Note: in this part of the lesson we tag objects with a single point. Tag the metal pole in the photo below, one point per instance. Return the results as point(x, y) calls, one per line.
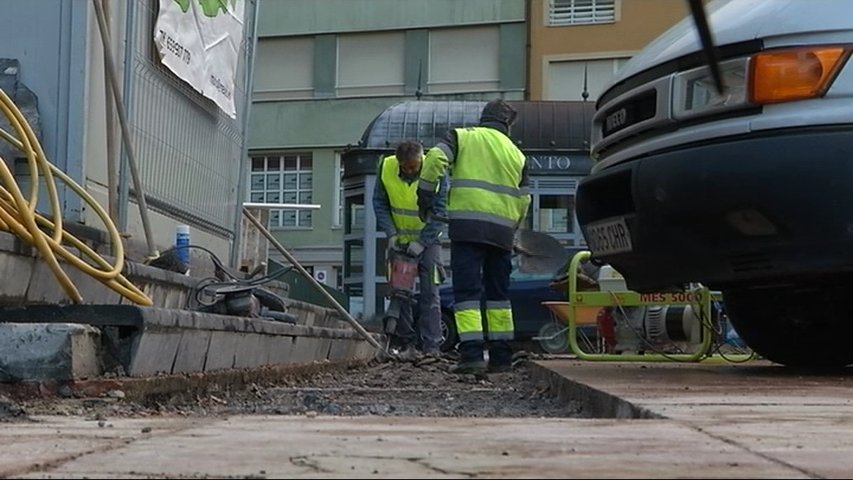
point(125, 132)
point(251, 49)
point(127, 94)
point(349, 318)
point(369, 272)
point(112, 160)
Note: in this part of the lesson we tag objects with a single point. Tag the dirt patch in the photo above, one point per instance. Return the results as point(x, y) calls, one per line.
point(422, 388)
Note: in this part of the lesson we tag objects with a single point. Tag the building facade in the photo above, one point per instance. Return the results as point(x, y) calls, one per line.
point(577, 45)
point(326, 69)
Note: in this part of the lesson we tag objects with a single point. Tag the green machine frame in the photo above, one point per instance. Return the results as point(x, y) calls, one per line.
point(700, 297)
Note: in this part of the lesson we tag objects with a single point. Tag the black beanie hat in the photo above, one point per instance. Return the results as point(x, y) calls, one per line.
point(498, 111)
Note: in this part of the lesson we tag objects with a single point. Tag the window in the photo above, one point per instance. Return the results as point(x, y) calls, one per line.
point(556, 213)
point(353, 207)
point(580, 12)
point(284, 68)
point(464, 60)
point(553, 208)
point(371, 64)
point(283, 179)
point(354, 215)
point(568, 80)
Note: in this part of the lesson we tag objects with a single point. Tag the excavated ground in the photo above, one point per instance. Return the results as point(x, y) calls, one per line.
point(422, 388)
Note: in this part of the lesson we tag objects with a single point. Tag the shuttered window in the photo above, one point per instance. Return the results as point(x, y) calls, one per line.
point(464, 60)
point(371, 64)
point(581, 12)
point(568, 80)
point(284, 68)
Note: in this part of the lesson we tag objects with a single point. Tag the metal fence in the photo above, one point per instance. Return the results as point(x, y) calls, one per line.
point(189, 152)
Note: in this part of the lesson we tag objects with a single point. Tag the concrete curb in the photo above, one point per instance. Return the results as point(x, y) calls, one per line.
point(146, 341)
point(596, 403)
point(52, 351)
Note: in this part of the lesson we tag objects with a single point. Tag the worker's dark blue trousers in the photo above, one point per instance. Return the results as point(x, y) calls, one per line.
point(428, 326)
point(481, 281)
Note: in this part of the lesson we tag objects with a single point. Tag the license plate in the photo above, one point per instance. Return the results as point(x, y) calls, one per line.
point(608, 237)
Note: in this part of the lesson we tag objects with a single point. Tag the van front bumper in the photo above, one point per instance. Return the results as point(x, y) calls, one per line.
point(751, 210)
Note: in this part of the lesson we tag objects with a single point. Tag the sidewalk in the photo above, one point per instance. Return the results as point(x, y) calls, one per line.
point(701, 421)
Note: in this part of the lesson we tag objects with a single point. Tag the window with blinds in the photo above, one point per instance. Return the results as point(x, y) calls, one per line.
point(568, 80)
point(464, 60)
point(371, 64)
point(284, 68)
point(581, 12)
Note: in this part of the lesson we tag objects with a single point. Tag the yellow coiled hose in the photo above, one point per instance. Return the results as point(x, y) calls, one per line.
point(18, 215)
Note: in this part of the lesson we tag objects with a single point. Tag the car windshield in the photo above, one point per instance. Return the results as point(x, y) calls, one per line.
point(517, 275)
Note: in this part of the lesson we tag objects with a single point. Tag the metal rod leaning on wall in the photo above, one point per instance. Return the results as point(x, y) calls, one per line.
point(125, 133)
point(112, 154)
point(278, 246)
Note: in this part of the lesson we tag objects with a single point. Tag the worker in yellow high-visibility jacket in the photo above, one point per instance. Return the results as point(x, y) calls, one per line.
point(396, 208)
point(487, 202)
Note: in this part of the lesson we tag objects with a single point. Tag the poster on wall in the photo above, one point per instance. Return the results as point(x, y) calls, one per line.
point(199, 40)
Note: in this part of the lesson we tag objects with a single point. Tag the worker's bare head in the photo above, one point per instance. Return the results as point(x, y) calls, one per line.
point(409, 156)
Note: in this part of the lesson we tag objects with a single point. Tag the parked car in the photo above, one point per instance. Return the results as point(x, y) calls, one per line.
point(527, 291)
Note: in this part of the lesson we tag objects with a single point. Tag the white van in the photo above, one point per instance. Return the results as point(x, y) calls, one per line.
point(749, 192)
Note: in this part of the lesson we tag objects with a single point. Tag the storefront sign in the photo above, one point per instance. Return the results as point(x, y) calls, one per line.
point(199, 40)
point(559, 164)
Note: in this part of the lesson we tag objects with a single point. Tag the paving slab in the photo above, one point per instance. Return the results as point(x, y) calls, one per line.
point(802, 419)
point(377, 447)
point(698, 421)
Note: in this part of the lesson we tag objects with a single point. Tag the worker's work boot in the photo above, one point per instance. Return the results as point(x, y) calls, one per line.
point(470, 358)
point(409, 353)
point(500, 356)
point(473, 367)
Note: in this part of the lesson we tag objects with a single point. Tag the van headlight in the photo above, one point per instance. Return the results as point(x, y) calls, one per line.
point(772, 76)
point(694, 92)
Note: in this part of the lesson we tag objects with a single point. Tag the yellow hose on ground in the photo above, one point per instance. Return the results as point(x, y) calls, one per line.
point(18, 215)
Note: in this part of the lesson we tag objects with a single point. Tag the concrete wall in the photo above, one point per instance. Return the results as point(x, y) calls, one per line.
point(48, 38)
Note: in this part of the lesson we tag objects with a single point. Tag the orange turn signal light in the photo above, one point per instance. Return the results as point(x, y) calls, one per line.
point(795, 74)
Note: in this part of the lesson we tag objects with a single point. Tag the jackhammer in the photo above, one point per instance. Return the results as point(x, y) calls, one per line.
point(402, 271)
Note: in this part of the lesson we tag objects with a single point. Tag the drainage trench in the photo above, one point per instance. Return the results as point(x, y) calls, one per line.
point(419, 388)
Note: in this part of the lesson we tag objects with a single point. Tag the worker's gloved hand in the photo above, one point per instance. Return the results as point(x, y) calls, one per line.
point(415, 249)
point(426, 201)
point(393, 243)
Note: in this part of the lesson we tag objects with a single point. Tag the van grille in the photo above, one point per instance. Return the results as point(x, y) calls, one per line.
point(629, 112)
